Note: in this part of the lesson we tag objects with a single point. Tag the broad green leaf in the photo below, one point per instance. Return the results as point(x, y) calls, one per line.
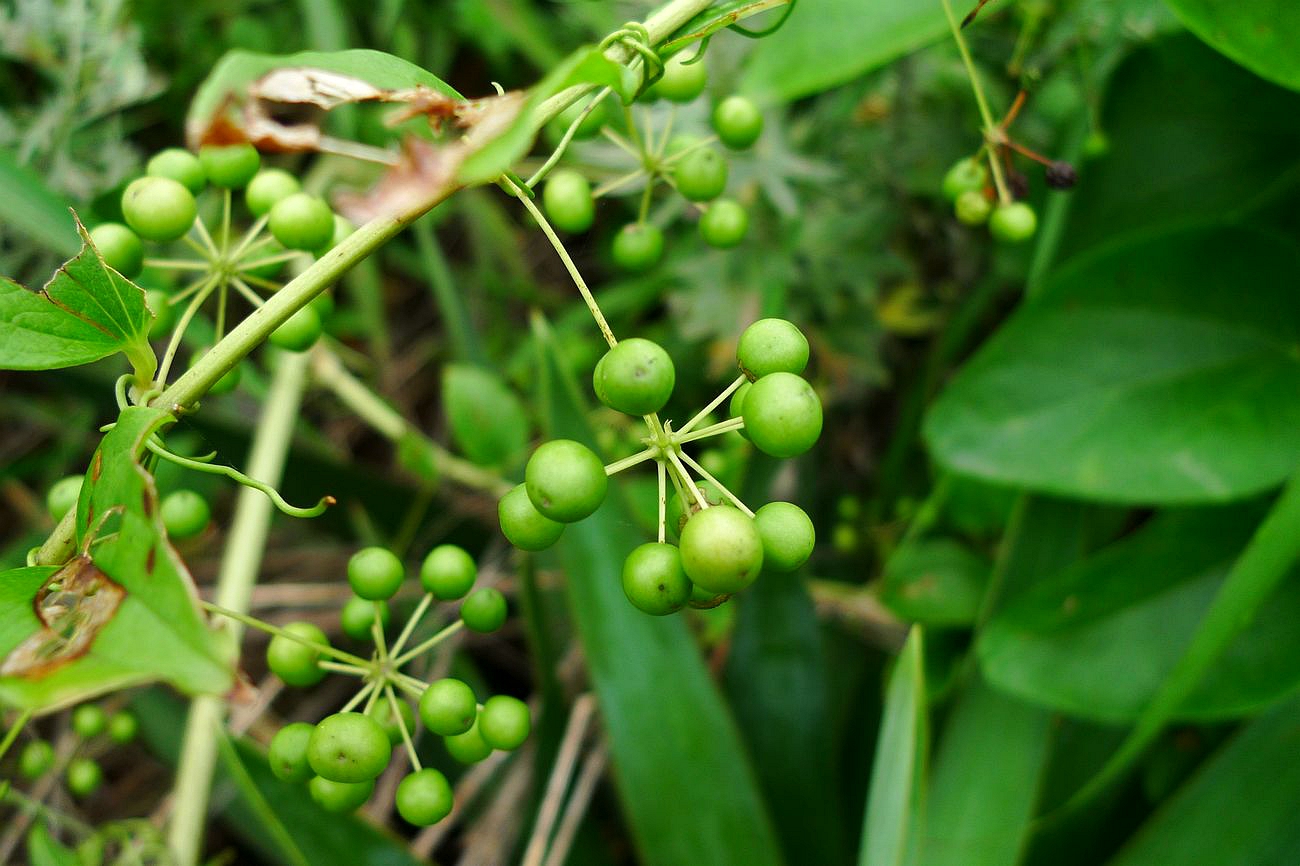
point(777, 684)
point(226, 87)
point(687, 787)
point(1097, 639)
point(126, 612)
point(987, 773)
point(488, 421)
point(1162, 371)
point(86, 311)
point(33, 209)
point(1240, 808)
point(586, 65)
point(1261, 35)
point(43, 850)
point(1196, 138)
point(828, 42)
point(320, 837)
point(891, 830)
point(936, 582)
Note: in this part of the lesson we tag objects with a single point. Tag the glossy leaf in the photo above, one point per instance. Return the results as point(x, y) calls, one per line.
point(1239, 808)
point(891, 830)
point(1195, 398)
point(936, 582)
point(1261, 35)
point(987, 772)
point(659, 706)
point(1097, 639)
point(128, 613)
point(828, 42)
point(86, 311)
point(488, 421)
point(33, 209)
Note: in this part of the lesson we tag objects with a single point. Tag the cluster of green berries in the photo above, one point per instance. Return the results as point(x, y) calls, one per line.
point(341, 757)
point(163, 207)
point(966, 185)
point(689, 164)
point(722, 546)
point(185, 513)
point(83, 776)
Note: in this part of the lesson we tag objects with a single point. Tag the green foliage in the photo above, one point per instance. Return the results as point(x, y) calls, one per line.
point(1261, 35)
point(488, 421)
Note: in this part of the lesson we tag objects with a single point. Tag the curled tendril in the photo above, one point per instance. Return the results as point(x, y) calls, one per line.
point(235, 475)
point(635, 36)
point(770, 29)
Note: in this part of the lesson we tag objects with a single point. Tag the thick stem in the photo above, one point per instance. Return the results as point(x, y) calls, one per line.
point(61, 544)
point(239, 567)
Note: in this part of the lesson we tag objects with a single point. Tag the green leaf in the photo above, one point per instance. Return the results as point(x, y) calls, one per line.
point(86, 311)
point(1196, 139)
point(1162, 371)
point(891, 828)
point(1261, 35)
point(488, 421)
point(1238, 809)
point(586, 65)
point(987, 773)
point(127, 611)
point(1097, 639)
point(43, 850)
point(936, 582)
point(828, 42)
point(33, 209)
point(686, 784)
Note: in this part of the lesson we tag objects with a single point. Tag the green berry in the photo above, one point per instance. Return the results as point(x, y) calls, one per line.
point(681, 81)
point(966, 175)
point(424, 798)
point(448, 707)
point(36, 759)
point(343, 227)
point(348, 747)
point(230, 166)
point(287, 754)
point(158, 208)
point(772, 346)
point(721, 549)
point(654, 580)
point(158, 303)
point(122, 727)
point(724, 224)
point(357, 616)
point(704, 599)
point(295, 662)
point(484, 610)
point(701, 175)
point(180, 165)
point(268, 187)
point(568, 202)
point(84, 777)
point(448, 572)
point(972, 208)
point(783, 416)
point(678, 513)
point(523, 525)
point(737, 404)
point(340, 796)
point(469, 747)
point(787, 533)
point(590, 125)
point(504, 722)
point(375, 573)
point(185, 514)
point(302, 222)
point(120, 248)
point(1013, 223)
point(738, 122)
point(299, 332)
point(383, 714)
point(1096, 145)
point(89, 720)
point(565, 480)
point(63, 496)
point(636, 376)
point(638, 247)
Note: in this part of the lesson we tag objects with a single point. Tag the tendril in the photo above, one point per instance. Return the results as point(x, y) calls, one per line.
point(239, 477)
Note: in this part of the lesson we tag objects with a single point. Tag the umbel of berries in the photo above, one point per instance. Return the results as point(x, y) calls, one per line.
point(722, 546)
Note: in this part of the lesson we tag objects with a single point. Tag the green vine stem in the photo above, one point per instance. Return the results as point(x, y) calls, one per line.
point(239, 566)
point(992, 133)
